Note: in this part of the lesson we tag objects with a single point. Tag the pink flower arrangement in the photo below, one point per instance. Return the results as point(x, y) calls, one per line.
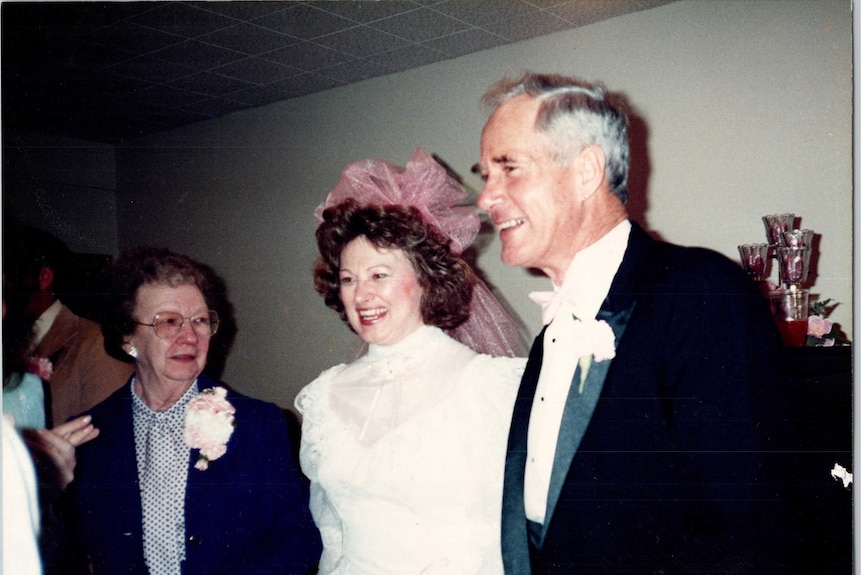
point(209, 424)
point(823, 332)
point(819, 326)
point(41, 366)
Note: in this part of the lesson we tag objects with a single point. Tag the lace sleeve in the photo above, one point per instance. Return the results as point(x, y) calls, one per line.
point(310, 402)
point(329, 525)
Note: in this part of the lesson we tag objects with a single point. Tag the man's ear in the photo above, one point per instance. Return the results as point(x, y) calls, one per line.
point(46, 279)
point(590, 170)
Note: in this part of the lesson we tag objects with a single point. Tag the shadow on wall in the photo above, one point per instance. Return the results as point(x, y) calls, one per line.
point(639, 171)
point(222, 342)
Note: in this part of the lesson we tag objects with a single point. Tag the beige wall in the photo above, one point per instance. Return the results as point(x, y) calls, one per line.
point(744, 109)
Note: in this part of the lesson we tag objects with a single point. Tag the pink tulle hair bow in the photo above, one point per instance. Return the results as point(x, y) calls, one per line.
point(424, 184)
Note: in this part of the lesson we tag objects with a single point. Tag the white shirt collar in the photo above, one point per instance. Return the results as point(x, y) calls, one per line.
point(44, 322)
point(593, 269)
point(588, 279)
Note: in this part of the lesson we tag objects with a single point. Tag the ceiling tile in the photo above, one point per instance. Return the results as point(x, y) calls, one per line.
point(362, 41)
point(408, 57)
point(101, 83)
point(244, 10)
point(162, 117)
point(210, 84)
point(215, 107)
point(249, 39)
point(150, 69)
point(420, 25)
point(549, 3)
point(182, 19)
point(88, 55)
point(109, 71)
point(355, 71)
point(583, 13)
point(307, 84)
point(307, 56)
point(132, 38)
point(364, 12)
point(65, 18)
point(258, 95)
point(257, 70)
point(653, 3)
point(303, 21)
point(197, 55)
point(530, 24)
point(482, 13)
point(168, 96)
point(466, 42)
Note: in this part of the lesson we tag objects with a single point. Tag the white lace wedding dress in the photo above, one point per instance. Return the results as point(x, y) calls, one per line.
point(405, 449)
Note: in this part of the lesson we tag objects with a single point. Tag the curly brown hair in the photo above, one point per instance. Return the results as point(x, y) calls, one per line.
point(153, 265)
point(447, 281)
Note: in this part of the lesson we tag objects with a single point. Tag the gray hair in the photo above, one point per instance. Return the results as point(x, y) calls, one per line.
point(574, 114)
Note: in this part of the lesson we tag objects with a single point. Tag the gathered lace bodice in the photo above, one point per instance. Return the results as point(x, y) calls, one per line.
point(405, 449)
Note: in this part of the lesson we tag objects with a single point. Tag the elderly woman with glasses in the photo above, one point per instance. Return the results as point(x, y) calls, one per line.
point(186, 476)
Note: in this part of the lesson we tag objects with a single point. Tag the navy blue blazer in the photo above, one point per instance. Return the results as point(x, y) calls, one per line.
point(247, 513)
point(670, 460)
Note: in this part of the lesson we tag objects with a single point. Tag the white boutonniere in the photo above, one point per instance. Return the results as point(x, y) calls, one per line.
point(209, 424)
point(595, 342)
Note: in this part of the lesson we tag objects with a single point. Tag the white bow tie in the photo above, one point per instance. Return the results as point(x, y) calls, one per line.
point(551, 301)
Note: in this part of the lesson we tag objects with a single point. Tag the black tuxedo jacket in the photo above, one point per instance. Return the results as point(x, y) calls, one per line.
point(669, 461)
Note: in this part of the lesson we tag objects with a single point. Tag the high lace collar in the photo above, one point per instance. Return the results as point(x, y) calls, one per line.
point(412, 345)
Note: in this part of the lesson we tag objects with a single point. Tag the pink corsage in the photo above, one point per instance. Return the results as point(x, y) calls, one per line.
point(209, 424)
point(40, 366)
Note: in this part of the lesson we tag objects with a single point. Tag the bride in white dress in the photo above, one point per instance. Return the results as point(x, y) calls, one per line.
point(405, 447)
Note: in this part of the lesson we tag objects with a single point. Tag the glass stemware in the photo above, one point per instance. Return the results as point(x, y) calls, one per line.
point(793, 265)
point(755, 258)
point(776, 224)
point(797, 238)
point(790, 310)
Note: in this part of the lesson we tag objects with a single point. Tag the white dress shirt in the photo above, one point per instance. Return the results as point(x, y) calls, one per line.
point(43, 323)
point(585, 286)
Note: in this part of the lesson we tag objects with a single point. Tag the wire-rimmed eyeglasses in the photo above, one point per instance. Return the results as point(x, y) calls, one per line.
point(169, 323)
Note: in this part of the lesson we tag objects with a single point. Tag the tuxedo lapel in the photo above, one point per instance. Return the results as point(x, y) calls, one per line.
point(579, 410)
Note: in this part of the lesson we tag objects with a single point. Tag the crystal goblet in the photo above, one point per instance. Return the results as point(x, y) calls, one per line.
point(776, 224)
point(797, 238)
point(793, 265)
point(754, 260)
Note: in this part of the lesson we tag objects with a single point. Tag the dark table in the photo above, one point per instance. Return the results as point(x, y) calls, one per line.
point(819, 391)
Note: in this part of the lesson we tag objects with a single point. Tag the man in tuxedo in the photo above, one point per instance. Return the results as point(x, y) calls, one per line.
point(642, 439)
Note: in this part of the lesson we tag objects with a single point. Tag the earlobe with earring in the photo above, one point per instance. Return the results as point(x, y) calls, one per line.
point(133, 351)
